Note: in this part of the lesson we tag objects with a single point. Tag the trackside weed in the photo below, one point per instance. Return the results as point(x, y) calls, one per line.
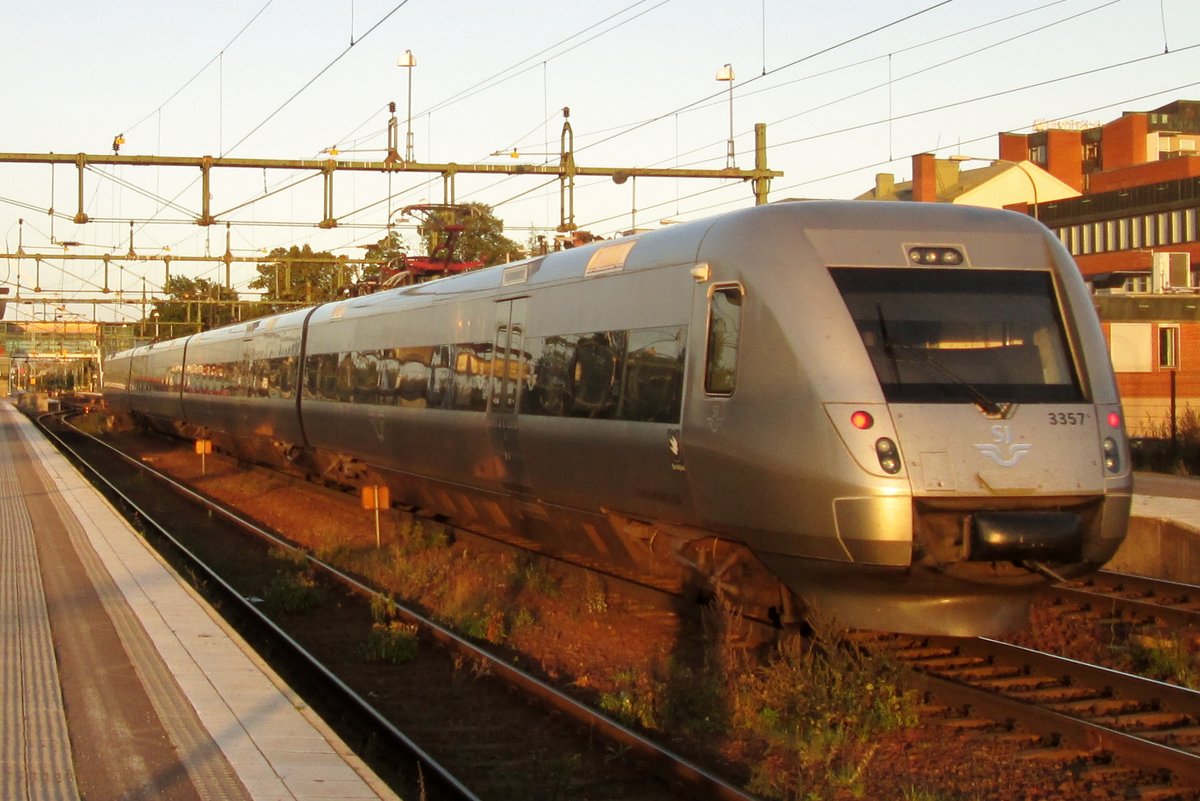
point(392, 642)
point(817, 705)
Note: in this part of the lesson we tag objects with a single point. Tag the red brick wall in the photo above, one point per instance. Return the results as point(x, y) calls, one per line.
point(1014, 147)
point(1143, 259)
point(1146, 397)
point(924, 183)
point(1123, 142)
point(1152, 172)
point(1064, 157)
point(1096, 263)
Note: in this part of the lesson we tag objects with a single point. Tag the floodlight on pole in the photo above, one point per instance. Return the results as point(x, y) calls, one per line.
point(726, 74)
point(408, 61)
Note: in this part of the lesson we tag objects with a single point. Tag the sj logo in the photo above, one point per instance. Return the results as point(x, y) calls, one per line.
point(1002, 450)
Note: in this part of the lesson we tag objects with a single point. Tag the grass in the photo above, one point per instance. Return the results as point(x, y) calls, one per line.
point(634, 698)
point(392, 642)
point(293, 592)
point(815, 707)
point(1166, 659)
point(818, 705)
point(810, 709)
point(1158, 453)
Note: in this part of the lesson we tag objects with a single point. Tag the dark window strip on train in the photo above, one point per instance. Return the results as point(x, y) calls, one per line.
point(618, 375)
point(259, 378)
point(624, 375)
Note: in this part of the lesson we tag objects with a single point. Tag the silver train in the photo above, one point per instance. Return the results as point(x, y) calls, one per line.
point(901, 415)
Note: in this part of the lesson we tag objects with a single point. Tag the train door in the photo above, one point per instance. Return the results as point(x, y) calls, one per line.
point(509, 368)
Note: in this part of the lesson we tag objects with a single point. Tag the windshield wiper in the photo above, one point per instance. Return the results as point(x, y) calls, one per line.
point(931, 366)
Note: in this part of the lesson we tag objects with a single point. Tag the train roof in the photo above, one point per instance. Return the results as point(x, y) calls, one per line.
point(838, 229)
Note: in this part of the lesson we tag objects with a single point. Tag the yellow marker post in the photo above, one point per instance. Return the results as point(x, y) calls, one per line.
point(203, 447)
point(376, 497)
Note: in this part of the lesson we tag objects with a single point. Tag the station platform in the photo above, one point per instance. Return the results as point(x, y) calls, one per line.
point(118, 680)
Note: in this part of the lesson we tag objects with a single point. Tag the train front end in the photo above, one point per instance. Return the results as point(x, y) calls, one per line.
point(980, 448)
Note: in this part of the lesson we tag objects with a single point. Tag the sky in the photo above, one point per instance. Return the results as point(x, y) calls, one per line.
point(846, 90)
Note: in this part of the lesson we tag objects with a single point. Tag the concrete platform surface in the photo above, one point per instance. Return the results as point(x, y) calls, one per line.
point(117, 679)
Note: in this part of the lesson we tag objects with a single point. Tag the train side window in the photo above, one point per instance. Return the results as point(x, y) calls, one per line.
point(287, 377)
point(441, 376)
point(551, 386)
point(472, 371)
point(724, 330)
point(412, 379)
point(599, 365)
point(654, 375)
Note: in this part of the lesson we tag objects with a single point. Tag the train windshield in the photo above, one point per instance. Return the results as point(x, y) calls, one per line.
point(943, 336)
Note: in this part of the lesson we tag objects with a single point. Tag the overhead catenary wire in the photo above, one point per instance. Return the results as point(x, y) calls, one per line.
point(216, 58)
point(366, 207)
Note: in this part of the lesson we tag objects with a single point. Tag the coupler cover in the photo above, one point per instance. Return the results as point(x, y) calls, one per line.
point(1025, 535)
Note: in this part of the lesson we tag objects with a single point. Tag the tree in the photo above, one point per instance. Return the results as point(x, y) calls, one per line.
point(382, 252)
point(300, 276)
point(482, 238)
point(192, 300)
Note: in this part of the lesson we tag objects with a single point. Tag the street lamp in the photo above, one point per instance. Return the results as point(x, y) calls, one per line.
point(1019, 165)
point(408, 60)
point(726, 74)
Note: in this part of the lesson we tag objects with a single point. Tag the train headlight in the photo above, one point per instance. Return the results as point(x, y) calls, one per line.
point(936, 256)
point(889, 457)
point(1112, 455)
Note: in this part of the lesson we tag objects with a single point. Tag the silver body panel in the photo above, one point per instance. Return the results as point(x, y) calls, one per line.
point(774, 465)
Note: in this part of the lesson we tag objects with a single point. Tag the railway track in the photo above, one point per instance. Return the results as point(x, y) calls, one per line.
point(1142, 734)
point(1136, 598)
point(474, 726)
point(1150, 728)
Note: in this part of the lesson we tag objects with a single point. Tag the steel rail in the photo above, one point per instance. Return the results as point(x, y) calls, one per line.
point(1101, 589)
point(1106, 684)
point(673, 768)
point(442, 780)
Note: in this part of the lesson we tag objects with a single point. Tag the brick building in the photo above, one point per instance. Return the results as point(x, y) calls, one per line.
point(1135, 233)
point(1124, 198)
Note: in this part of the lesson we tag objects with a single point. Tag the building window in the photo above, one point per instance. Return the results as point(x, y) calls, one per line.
point(1138, 283)
point(1168, 347)
point(1123, 234)
point(1038, 154)
point(1176, 227)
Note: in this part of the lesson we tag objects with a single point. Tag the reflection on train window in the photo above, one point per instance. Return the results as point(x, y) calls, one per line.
point(472, 371)
point(551, 383)
point(596, 374)
point(940, 336)
point(440, 376)
point(635, 375)
point(653, 375)
point(724, 326)
point(509, 368)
